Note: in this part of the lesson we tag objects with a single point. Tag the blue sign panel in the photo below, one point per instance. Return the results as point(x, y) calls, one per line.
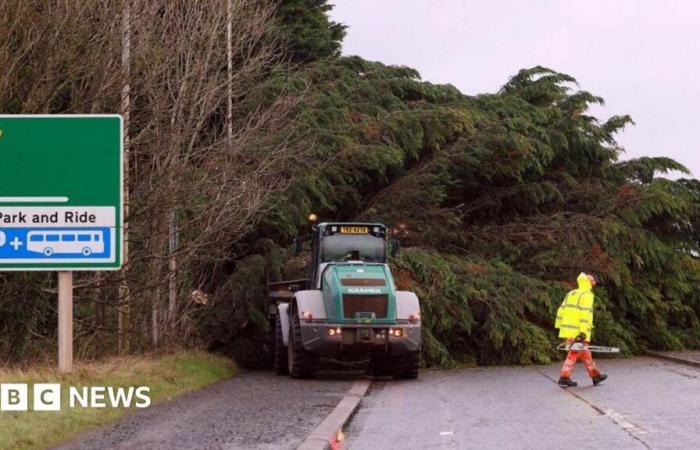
point(57, 234)
point(55, 243)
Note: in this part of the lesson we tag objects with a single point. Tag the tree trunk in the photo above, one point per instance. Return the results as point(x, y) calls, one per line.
point(229, 65)
point(172, 268)
point(123, 307)
point(155, 323)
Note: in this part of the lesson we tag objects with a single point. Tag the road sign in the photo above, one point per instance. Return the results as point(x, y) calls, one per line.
point(61, 192)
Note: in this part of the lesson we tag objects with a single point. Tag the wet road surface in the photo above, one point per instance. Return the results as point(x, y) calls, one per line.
point(646, 403)
point(249, 411)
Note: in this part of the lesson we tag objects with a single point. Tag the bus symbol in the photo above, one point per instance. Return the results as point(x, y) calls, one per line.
point(66, 242)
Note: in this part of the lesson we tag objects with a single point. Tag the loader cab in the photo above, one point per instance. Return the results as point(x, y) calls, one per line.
point(344, 242)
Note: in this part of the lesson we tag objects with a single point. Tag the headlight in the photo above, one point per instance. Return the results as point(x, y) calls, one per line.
point(397, 332)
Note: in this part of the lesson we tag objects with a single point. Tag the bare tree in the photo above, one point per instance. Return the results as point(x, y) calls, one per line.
point(201, 160)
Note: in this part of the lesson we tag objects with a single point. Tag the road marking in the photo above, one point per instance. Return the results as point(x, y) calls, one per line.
point(617, 418)
point(331, 425)
point(34, 199)
point(678, 372)
point(447, 421)
point(620, 420)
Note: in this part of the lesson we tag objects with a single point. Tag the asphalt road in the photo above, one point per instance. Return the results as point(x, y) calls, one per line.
point(249, 411)
point(646, 403)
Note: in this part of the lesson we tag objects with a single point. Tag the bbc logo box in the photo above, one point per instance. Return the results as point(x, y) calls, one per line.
point(47, 397)
point(15, 397)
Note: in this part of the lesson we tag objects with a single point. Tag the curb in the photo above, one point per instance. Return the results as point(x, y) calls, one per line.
point(676, 359)
point(319, 438)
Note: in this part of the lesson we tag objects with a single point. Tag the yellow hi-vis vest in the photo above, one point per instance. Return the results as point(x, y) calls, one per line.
point(575, 315)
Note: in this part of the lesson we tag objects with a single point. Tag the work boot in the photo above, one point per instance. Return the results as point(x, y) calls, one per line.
point(599, 379)
point(567, 382)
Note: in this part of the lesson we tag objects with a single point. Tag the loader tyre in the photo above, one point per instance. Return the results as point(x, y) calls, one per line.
point(407, 366)
point(381, 366)
point(301, 363)
point(280, 363)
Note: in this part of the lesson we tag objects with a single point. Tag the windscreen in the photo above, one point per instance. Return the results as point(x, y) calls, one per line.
point(340, 247)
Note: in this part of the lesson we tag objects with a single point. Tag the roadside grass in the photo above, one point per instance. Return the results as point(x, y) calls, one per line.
point(167, 376)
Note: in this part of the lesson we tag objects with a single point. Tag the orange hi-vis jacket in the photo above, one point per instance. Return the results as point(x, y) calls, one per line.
point(575, 315)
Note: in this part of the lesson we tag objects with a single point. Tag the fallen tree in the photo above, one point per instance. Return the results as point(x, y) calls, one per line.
point(500, 200)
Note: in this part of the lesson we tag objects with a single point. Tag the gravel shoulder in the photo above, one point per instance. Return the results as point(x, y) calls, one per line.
point(253, 410)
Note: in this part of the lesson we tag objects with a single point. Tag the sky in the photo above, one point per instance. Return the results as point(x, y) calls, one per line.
point(641, 56)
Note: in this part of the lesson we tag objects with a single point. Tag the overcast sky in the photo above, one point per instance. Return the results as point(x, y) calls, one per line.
point(641, 56)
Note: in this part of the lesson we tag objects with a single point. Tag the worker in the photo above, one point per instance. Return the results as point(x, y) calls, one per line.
point(575, 323)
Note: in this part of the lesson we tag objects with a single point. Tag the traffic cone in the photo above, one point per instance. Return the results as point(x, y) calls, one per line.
point(336, 442)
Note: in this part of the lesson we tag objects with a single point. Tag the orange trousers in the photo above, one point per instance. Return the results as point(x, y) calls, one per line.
point(574, 356)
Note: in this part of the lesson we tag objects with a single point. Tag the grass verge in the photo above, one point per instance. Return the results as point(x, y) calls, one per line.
point(167, 376)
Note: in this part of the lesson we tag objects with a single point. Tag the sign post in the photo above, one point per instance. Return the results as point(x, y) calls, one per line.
point(65, 322)
point(61, 206)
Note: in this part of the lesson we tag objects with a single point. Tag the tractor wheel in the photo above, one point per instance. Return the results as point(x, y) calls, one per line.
point(281, 367)
point(407, 366)
point(301, 363)
point(381, 366)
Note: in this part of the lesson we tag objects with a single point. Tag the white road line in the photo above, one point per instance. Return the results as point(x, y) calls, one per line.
point(620, 420)
point(617, 418)
point(33, 199)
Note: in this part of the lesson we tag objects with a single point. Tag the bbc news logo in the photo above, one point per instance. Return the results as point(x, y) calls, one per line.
point(47, 397)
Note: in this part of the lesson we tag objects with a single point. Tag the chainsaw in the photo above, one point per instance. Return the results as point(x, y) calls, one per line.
point(581, 347)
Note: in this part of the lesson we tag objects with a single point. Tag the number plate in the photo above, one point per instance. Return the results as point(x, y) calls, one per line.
point(354, 230)
point(364, 333)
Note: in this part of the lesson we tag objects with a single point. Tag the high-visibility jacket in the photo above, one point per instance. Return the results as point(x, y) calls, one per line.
point(575, 315)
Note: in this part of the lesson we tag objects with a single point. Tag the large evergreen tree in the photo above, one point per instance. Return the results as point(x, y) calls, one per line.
point(307, 31)
point(504, 198)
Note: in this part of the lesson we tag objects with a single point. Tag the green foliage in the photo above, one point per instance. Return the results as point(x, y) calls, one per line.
point(237, 324)
point(307, 31)
point(25, 312)
point(478, 310)
point(503, 199)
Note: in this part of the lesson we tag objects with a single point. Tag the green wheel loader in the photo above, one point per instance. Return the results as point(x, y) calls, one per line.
point(348, 307)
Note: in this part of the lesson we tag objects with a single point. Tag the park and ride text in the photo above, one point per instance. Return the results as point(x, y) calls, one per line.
point(67, 217)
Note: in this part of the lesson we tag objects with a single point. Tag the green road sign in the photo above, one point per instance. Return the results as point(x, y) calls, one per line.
point(61, 202)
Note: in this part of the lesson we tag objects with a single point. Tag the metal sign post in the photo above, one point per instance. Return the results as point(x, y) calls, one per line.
point(61, 202)
point(65, 322)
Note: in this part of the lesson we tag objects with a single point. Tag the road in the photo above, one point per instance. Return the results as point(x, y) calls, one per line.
point(253, 410)
point(646, 403)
